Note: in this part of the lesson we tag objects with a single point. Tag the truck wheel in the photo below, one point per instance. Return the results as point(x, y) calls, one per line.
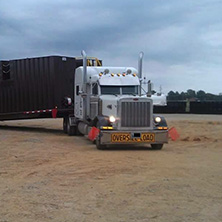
point(65, 120)
point(71, 130)
point(99, 146)
point(156, 146)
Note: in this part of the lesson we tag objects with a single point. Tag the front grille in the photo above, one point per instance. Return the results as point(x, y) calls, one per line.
point(135, 114)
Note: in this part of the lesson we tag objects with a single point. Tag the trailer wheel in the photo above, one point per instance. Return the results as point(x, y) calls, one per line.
point(99, 146)
point(71, 130)
point(65, 120)
point(156, 146)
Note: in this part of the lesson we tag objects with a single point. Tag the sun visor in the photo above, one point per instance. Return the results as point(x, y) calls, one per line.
point(127, 80)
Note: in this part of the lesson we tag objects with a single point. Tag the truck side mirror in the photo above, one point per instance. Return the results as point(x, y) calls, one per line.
point(82, 94)
point(150, 88)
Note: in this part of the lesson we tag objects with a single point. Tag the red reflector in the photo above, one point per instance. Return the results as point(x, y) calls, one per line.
point(135, 99)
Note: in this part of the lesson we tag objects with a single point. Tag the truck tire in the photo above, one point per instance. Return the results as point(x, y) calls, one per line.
point(156, 146)
point(99, 146)
point(71, 130)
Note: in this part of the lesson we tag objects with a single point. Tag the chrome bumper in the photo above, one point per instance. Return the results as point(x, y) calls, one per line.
point(161, 136)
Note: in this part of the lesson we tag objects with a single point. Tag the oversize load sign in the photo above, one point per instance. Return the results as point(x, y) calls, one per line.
point(126, 137)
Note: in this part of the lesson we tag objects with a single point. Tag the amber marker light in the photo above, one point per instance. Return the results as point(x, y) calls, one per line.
point(100, 74)
point(134, 74)
point(162, 128)
point(112, 74)
point(107, 127)
point(118, 74)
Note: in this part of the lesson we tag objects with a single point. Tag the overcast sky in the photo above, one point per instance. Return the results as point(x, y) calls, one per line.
point(181, 40)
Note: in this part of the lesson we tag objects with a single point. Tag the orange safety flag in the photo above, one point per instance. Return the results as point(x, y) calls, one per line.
point(93, 133)
point(174, 135)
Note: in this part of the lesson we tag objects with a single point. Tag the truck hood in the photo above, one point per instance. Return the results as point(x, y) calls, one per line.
point(109, 103)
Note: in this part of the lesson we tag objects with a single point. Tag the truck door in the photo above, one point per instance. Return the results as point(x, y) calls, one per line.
point(78, 102)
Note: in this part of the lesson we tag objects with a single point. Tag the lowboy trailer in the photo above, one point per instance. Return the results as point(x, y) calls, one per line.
point(86, 95)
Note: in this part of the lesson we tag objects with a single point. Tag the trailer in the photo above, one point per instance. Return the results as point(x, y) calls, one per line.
point(86, 95)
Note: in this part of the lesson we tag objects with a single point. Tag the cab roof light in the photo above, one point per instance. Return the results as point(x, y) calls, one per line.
point(112, 74)
point(124, 74)
point(118, 74)
point(134, 74)
point(100, 74)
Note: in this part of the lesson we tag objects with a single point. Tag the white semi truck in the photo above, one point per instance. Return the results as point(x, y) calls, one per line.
point(87, 96)
point(109, 98)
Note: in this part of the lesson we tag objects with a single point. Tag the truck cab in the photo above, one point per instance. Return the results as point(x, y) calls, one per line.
point(105, 85)
point(109, 98)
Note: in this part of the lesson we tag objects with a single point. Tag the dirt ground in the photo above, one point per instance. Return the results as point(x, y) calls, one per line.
point(46, 175)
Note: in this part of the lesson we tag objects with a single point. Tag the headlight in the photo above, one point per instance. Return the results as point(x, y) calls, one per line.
point(112, 119)
point(157, 119)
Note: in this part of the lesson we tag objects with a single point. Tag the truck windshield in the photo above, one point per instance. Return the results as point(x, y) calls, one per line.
point(129, 90)
point(110, 90)
point(117, 90)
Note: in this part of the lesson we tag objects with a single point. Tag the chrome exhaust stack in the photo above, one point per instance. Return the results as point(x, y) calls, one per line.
point(84, 68)
point(86, 102)
point(140, 67)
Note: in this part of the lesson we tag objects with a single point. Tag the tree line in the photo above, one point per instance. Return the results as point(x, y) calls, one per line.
point(193, 95)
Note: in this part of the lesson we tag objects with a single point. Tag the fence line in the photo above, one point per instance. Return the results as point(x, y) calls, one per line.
point(201, 107)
